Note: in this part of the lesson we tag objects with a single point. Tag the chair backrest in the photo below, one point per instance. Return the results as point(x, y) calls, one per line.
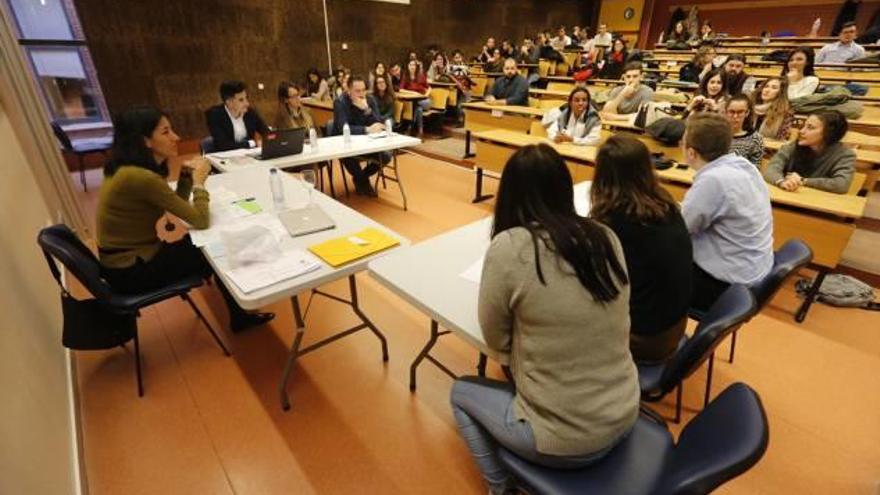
point(480, 84)
point(59, 242)
point(206, 145)
point(787, 260)
point(61, 135)
point(439, 97)
point(735, 306)
point(725, 440)
point(398, 110)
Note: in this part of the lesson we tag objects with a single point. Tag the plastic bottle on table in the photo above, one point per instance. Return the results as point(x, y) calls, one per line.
point(346, 134)
point(277, 189)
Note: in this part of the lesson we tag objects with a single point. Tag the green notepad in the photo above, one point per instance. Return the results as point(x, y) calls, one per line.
point(249, 205)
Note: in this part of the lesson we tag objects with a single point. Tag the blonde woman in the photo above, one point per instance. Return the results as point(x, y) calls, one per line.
point(773, 114)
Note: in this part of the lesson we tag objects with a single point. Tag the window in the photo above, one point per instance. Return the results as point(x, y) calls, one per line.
point(50, 34)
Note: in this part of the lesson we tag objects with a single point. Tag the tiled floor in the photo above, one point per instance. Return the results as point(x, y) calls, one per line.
point(211, 424)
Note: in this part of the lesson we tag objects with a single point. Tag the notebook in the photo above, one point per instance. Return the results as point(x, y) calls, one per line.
point(342, 250)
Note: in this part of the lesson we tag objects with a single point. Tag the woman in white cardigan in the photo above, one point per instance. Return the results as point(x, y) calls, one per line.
point(802, 80)
point(577, 122)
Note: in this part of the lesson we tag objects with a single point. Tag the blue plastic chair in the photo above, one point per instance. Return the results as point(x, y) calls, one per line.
point(725, 440)
point(735, 306)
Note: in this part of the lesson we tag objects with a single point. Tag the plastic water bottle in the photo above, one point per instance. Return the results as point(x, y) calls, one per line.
point(313, 140)
point(346, 134)
point(389, 127)
point(277, 189)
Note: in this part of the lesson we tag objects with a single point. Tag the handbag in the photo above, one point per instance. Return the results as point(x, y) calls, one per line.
point(90, 324)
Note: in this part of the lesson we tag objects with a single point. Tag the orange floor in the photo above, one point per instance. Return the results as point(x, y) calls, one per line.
point(211, 424)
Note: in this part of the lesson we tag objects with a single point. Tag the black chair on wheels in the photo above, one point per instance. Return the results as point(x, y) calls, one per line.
point(787, 261)
point(60, 243)
point(735, 306)
point(725, 440)
point(81, 148)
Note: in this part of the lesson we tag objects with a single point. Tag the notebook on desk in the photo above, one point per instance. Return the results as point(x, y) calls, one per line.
point(337, 252)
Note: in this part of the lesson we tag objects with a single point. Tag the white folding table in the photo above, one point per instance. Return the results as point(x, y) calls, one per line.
point(253, 182)
point(428, 275)
point(329, 148)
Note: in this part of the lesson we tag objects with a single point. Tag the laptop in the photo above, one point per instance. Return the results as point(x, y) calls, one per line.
point(306, 220)
point(283, 142)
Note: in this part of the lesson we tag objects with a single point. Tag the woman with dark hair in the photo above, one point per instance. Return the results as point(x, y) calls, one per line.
point(746, 142)
point(696, 69)
point(627, 197)
point(385, 97)
point(712, 94)
point(615, 60)
point(554, 296)
point(339, 82)
point(706, 36)
point(316, 86)
point(817, 159)
point(578, 122)
point(379, 70)
point(678, 38)
point(773, 114)
point(132, 199)
point(414, 80)
point(799, 72)
point(291, 112)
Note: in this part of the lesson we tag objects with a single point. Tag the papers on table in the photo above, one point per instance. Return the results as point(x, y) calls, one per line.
point(211, 235)
point(255, 276)
point(474, 272)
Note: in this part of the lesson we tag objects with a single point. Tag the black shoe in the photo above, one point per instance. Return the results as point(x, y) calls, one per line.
point(249, 320)
point(365, 189)
point(371, 169)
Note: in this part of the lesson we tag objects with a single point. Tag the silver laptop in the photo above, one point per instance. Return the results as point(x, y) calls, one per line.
point(307, 220)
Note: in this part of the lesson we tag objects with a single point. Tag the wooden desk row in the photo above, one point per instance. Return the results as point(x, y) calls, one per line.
point(823, 220)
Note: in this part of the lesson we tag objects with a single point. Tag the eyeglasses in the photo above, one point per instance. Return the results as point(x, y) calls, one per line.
point(737, 113)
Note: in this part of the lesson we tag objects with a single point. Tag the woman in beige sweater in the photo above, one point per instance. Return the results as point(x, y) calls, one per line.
point(554, 297)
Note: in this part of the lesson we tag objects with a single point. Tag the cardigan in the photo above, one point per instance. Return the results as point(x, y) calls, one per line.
point(832, 170)
point(130, 202)
point(749, 146)
point(576, 383)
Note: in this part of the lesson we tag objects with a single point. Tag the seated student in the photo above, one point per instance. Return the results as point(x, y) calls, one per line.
point(736, 78)
point(378, 71)
point(339, 82)
point(705, 37)
point(844, 49)
point(773, 114)
point(234, 124)
point(385, 97)
point(696, 69)
point(291, 112)
point(132, 199)
point(799, 72)
point(459, 72)
point(747, 142)
point(626, 99)
point(414, 80)
point(507, 49)
point(602, 41)
point(512, 89)
point(487, 51)
point(361, 112)
point(414, 56)
point(554, 296)
point(712, 94)
point(438, 71)
point(529, 52)
point(561, 40)
point(678, 38)
point(615, 60)
point(316, 86)
point(396, 74)
point(578, 122)
point(817, 159)
point(727, 212)
point(495, 63)
point(546, 50)
point(627, 197)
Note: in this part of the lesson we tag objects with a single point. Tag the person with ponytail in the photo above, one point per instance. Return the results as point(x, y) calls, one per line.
point(554, 297)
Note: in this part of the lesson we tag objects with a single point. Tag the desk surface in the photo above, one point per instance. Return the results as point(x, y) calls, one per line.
point(329, 148)
point(843, 205)
point(323, 104)
point(517, 109)
point(428, 275)
point(255, 183)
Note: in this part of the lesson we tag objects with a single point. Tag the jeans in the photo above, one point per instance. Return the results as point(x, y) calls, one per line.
point(360, 175)
point(485, 415)
point(419, 108)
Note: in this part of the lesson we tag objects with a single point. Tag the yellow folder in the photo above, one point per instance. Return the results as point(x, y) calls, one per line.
point(337, 252)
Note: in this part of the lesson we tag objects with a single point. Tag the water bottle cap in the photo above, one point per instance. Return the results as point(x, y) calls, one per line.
point(273, 171)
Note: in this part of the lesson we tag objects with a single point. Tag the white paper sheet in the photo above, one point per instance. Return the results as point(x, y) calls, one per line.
point(212, 235)
point(256, 276)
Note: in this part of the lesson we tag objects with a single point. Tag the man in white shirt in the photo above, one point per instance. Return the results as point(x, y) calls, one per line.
point(561, 40)
point(843, 50)
point(727, 212)
point(234, 124)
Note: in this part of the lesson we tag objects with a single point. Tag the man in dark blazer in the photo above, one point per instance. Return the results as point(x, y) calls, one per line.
point(233, 124)
point(361, 112)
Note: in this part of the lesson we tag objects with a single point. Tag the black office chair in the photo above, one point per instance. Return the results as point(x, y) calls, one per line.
point(787, 261)
point(725, 440)
point(735, 306)
point(59, 242)
point(81, 148)
point(206, 145)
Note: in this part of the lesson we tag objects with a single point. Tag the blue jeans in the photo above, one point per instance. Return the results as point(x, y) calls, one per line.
point(419, 107)
point(484, 412)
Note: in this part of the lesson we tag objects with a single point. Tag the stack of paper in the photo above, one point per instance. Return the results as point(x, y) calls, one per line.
point(255, 276)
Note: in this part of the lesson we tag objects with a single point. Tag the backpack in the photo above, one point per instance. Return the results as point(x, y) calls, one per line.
point(842, 291)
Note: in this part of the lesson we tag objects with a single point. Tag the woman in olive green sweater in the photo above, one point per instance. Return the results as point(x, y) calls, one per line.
point(132, 199)
point(554, 296)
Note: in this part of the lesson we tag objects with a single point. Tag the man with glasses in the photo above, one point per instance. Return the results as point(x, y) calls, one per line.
point(842, 50)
